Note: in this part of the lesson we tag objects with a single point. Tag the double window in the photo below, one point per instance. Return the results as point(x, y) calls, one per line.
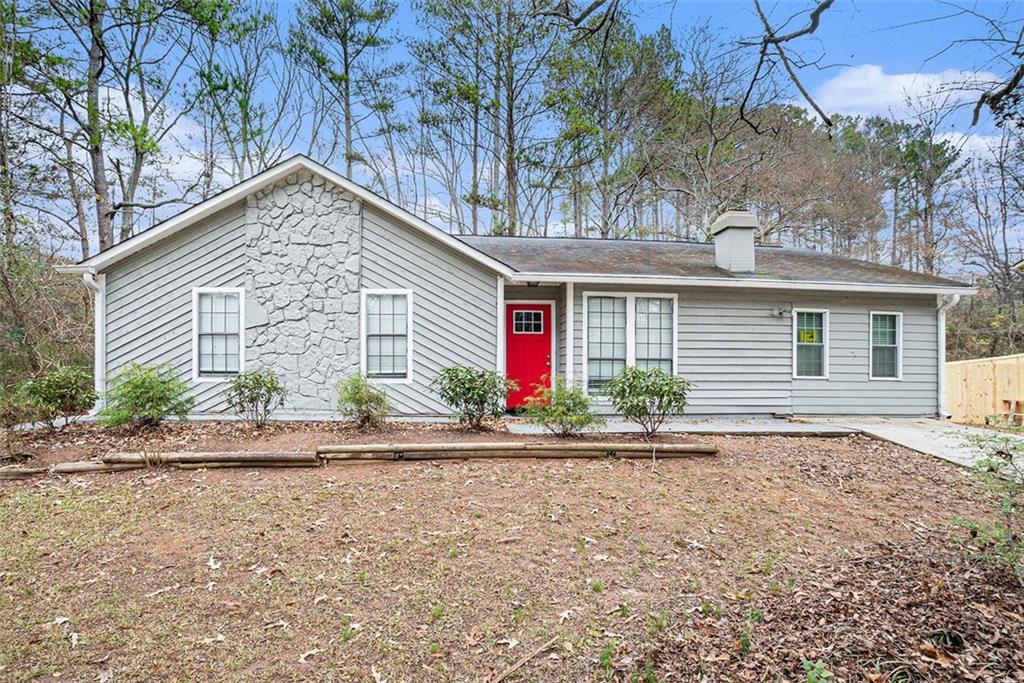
point(218, 344)
point(627, 329)
point(387, 334)
point(811, 344)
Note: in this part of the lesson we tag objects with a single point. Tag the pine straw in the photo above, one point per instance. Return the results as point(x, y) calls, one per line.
point(917, 611)
point(455, 571)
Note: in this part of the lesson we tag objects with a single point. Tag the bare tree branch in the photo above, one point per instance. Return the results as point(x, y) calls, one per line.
point(773, 42)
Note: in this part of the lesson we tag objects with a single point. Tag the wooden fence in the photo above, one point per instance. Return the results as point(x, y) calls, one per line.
point(986, 390)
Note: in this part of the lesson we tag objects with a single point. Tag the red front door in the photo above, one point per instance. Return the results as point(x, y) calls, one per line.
point(527, 348)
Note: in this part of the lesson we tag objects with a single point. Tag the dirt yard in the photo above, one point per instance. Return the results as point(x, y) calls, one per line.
point(741, 566)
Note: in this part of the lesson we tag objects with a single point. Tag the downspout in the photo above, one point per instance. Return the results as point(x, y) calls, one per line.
point(944, 303)
point(97, 283)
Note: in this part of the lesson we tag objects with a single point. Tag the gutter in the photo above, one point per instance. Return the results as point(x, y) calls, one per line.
point(521, 278)
point(97, 284)
point(75, 269)
point(943, 304)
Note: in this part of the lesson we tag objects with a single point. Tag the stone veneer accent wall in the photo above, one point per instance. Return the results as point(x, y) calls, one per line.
point(302, 293)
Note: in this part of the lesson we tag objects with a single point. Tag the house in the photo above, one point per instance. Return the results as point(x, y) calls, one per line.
point(305, 272)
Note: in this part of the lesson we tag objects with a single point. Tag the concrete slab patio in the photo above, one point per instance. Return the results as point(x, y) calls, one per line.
point(938, 438)
point(746, 427)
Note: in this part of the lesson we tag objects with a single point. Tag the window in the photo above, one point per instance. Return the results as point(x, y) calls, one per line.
point(218, 346)
point(886, 334)
point(387, 343)
point(606, 339)
point(654, 331)
point(627, 329)
point(810, 354)
point(528, 322)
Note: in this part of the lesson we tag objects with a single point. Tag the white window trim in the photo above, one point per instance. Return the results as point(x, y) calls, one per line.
point(543, 324)
point(408, 334)
point(899, 346)
point(631, 298)
point(554, 329)
point(196, 291)
point(825, 350)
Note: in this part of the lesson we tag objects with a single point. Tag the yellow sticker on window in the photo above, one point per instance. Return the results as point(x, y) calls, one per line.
point(809, 336)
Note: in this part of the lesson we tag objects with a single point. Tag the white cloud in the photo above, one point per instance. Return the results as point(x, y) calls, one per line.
point(868, 90)
point(972, 145)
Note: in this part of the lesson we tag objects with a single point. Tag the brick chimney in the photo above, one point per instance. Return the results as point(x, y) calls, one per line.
point(733, 235)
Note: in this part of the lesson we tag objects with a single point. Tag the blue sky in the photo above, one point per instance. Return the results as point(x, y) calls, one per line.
point(873, 51)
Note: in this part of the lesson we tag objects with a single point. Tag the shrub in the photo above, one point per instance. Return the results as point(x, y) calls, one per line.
point(365, 404)
point(473, 394)
point(145, 395)
point(562, 410)
point(255, 394)
point(65, 392)
point(15, 409)
point(647, 397)
point(1001, 471)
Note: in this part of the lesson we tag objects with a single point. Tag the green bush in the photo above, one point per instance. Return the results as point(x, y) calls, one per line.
point(1001, 471)
point(15, 409)
point(562, 410)
point(365, 404)
point(255, 394)
point(145, 395)
point(63, 393)
point(647, 397)
point(473, 394)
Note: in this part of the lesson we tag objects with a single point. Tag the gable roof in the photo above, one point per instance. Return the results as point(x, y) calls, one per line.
point(108, 257)
point(554, 259)
point(672, 262)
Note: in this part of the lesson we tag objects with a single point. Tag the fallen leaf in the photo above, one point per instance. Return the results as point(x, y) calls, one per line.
point(511, 642)
point(310, 653)
point(213, 564)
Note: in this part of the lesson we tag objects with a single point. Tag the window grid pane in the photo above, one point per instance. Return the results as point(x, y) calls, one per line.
point(219, 333)
point(606, 339)
point(654, 333)
point(386, 335)
point(810, 344)
point(884, 345)
point(528, 322)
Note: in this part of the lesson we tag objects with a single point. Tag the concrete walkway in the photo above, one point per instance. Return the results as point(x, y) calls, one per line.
point(939, 438)
point(747, 427)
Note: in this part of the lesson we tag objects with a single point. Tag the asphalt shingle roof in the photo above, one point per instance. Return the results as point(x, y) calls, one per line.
point(563, 256)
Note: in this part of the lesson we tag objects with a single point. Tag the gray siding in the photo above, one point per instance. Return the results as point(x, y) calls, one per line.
point(149, 297)
point(737, 349)
point(454, 301)
point(735, 345)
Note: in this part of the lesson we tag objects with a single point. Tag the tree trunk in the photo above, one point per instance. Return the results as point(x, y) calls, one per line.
point(76, 198)
point(94, 128)
point(894, 253)
point(511, 164)
point(347, 107)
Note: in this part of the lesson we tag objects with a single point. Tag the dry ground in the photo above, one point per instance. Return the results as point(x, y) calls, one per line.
point(735, 567)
